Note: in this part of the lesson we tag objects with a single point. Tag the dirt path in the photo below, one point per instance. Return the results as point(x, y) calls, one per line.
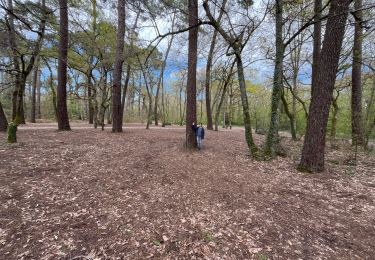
point(140, 194)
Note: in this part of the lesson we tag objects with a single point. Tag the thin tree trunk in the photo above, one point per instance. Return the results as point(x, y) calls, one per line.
point(89, 99)
point(180, 107)
point(38, 96)
point(290, 116)
point(357, 129)
point(103, 101)
point(370, 111)
point(116, 89)
point(317, 42)
point(245, 105)
point(62, 110)
point(334, 118)
point(33, 92)
point(125, 89)
point(208, 70)
point(230, 106)
point(191, 89)
point(54, 98)
point(3, 120)
point(271, 141)
point(312, 158)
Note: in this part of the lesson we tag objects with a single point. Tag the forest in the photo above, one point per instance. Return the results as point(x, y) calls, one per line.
point(101, 157)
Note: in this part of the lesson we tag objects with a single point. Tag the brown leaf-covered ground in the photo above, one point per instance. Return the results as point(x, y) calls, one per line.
point(140, 194)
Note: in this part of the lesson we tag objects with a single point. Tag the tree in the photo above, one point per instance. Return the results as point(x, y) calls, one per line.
point(191, 88)
point(317, 41)
point(3, 120)
point(237, 42)
point(23, 59)
point(357, 131)
point(269, 149)
point(117, 73)
point(62, 110)
point(314, 144)
point(208, 71)
point(34, 90)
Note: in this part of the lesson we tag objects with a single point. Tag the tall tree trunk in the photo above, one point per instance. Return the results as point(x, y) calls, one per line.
point(18, 104)
point(38, 96)
point(33, 93)
point(317, 42)
point(290, 116)
point(180, 107)
point(335, 110)
point(245, 106)
point(125, 89)
point(231, 106)
point(294, 108)
point(103, 101)
point(89, 99)
point(54, 98)
point(116, 89)
point(208, 70)
point(3, 120)
point(370, 113)
point(62, 110)
point(90, 85)
point(271, 141)
point(191, 89)
point(357, 129)
point(312, 158)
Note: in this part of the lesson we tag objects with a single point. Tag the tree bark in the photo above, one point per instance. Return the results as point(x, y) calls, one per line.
point(314, 144)
point(3, 120)
point(357, 129)
point(271, 141)
point(62, 110)
point(191, 89)
point(116, 88)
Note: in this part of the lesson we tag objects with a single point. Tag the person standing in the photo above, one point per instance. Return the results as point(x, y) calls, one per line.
point(200, 135)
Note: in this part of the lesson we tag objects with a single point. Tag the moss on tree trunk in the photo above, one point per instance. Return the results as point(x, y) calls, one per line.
point(12, 133)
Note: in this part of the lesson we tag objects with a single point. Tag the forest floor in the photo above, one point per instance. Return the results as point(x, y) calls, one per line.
point(140, 194)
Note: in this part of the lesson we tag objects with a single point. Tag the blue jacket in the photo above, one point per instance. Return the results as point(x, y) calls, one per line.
point(200, 132)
